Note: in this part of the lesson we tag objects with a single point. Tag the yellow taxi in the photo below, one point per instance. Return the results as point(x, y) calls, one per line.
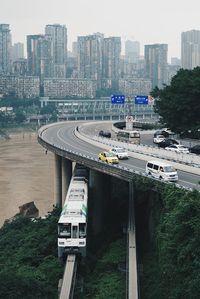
point(108, 157)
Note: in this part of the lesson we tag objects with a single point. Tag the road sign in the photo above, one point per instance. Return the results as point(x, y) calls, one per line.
point(117, 99)
point(142, 100)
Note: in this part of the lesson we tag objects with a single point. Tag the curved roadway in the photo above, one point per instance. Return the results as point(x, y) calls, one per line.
point(62, 135)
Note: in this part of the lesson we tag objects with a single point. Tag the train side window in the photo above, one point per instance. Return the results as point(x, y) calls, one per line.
point(82, 230)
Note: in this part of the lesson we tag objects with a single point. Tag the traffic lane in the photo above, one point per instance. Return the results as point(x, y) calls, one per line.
point(184, 178)
point(64, 137)
point(189, 180)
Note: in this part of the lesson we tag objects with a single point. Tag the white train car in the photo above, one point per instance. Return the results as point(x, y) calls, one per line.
point(72, 225)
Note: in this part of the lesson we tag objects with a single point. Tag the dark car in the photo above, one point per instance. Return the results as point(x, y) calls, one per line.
point(163, 133)
point(195, 149)
point(167, 142)
point(106, 134)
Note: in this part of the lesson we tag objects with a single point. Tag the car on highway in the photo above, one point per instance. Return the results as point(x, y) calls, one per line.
point(158, 138)
point(167, 142)
point(178, 148)
point(108, 157)
point(161, 170)
point(195, 149)
point(119, 152)
point(167, 132)
point(106, 134)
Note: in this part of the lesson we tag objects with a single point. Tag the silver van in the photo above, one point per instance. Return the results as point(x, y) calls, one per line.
point(162, 170)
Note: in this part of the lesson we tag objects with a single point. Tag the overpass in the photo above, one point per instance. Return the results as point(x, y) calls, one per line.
point(64, 140)
point(98, 109)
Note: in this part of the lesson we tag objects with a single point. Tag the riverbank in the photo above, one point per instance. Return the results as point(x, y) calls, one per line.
point(12, 132)
point(26, 174)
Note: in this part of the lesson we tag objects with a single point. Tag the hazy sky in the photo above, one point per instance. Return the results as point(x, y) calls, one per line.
point(149, 22)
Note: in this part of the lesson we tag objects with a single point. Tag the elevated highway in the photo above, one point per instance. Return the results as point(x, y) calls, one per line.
point(69, 144)
point(61, 139)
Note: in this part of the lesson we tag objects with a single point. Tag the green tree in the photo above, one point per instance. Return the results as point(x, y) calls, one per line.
point(171, 269)
point(179, 103)
point(20, 116)
point(28, 257)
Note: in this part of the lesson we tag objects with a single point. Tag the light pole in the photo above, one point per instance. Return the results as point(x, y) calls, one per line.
point(129, 117)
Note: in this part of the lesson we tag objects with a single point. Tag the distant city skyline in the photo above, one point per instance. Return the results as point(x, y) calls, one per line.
point(147, 22)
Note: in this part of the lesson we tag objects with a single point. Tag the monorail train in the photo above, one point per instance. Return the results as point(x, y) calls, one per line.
point(72, 224)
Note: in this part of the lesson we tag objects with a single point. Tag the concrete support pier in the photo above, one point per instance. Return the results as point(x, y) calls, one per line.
point(99, 194)
point(66, 177)
point(58, 181)
point(133, 279)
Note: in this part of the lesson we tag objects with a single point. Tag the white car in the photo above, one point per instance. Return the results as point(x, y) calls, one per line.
point(119, 152)
point(178, 148)
point(158, 139)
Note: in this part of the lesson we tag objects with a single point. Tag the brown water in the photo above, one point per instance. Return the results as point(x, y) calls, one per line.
point(26, 174)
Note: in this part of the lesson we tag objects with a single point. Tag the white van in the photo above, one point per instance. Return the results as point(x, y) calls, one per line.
point(162, 170)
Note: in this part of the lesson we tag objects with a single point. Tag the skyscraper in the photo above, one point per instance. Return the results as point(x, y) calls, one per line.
point(33, 54)
point(132, 51)
point(58, 34)
point(40, 56)
point(111, 60)
point(89, 57)
point(5, 49)
point(17, 51)
point(156, 64)
point(190, 49)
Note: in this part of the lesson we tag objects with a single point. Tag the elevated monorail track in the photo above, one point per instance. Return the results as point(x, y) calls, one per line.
point(68, 282)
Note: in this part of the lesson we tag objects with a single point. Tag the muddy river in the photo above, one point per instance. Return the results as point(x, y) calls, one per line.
point(26, 174)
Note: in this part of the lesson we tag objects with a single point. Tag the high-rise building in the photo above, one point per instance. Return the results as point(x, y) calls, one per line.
point(74, 49)
point(175, 61)
point(58, 34)
point(5, 49)
point(17, 51)
point(190, 49)
point(33, 54)
point(156, 64)
point(132, 51)
point(111, 60)
point(40, 56)
point(46, 57)
point(89, 57)
point(20, 67)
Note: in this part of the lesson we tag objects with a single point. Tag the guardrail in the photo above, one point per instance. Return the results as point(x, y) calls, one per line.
point(190, 161)
point(122, 172)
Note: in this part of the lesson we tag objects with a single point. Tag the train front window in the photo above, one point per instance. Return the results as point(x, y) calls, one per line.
point(74, 231)
point(82, 230)
point(64, 230)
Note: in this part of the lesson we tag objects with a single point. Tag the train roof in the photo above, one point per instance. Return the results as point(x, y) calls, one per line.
point(73, 211)
point(75, 206)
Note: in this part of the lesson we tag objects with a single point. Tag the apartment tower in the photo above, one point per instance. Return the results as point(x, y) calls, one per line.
point(190, 49)
point(89, 57)
point(5, 49)
point(58, 33)
point(111, 60)
point(156, 64)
